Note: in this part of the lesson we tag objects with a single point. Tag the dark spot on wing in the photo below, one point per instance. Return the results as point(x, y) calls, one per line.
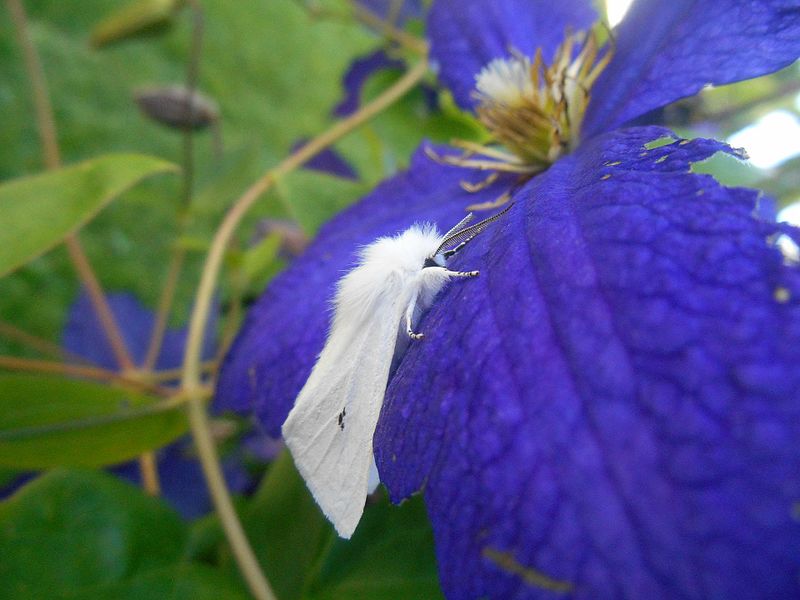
point(340, 418)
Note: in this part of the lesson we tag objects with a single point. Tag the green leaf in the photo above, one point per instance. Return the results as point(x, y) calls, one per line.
point(313, 197)
point(141, 17)
point(256, 260)
point(7, 476)
point(86, 535)
point(182, 580)
point(274, 89)
point(286, 528)
point(68, 530)
point(782, 182)
point(390, 556)
point(53, 421)
point(39, 211)
point(384, 145)
point(729, 170)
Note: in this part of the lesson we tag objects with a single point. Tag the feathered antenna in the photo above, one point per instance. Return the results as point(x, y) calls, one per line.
point(461, 235)
point(460, 225)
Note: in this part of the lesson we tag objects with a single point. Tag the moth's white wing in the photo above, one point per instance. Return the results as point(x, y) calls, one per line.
point(329, 431)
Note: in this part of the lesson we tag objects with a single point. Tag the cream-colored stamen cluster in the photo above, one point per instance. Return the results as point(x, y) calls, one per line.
point(506, 80)
point(532, 109)
point(539, 119)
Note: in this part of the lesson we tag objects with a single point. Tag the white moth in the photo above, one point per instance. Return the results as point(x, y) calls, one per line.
point(329, 431)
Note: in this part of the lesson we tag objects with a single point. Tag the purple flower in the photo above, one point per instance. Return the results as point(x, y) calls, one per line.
point(328, 161)
point(180, 474)
point(360, 71)
point(83, 334)
point(357, 75)
point(613, 408)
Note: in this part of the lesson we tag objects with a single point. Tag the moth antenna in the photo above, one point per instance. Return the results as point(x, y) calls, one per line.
point(460, 225)
point(460, 237)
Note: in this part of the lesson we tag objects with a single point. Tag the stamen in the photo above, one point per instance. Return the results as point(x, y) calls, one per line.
point(497, 202)
point(488, 165)
point(534, 110)
point(481, 185)
point(505, 81)
point(473, 148)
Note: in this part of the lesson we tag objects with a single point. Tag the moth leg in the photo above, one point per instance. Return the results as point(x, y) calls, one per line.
point(456, 250)
point(409, 316)
point(463, 273)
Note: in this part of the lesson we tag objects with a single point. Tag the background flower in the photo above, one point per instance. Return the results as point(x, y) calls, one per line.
point(181, 478)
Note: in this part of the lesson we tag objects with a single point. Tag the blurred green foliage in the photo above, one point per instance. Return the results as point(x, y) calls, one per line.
point(38, 211)
point(50, 421)
point(272, 85)
point(274, 69)
point(82, 534)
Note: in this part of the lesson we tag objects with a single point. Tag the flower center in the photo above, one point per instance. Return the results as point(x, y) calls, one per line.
point(535, 110)
point(505, 81)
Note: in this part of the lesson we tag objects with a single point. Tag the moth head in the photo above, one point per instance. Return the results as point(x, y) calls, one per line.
point(459, 236)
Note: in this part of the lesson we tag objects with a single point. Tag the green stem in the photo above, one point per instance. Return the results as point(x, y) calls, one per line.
point(178, 254)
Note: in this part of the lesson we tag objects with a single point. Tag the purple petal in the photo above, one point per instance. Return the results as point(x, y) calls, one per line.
point(83, 335)
point(180, 474)
point(357, 75)
point(669, 50)
point(285, 330)
point(182, 481)
point(12, 483)
point(611, 409)
point(328, 161)
point(465, 35)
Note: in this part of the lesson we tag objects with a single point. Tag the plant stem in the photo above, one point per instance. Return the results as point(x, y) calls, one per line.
point(45, 122)
point(178, 254)
point(388, 29)
point(198, 419)
point(36, 343)
point(96, 373)
point(52, 158)
point(369, 18)
point(99, 302)
point(208, 367)
point(148, 467)
point(176, 260)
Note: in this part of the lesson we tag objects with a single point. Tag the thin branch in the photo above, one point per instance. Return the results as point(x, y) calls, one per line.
point(99, 302)
point(178, 254)
point(148, 467)
point(45, 122)
point(192, 76)
point(121, 415)
point(234, 317)
point(165, 301)
point(198, 419)
point(386, 28)
point(16, 363)
point(34, 342)
point(207, 368)
point(369, 18)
